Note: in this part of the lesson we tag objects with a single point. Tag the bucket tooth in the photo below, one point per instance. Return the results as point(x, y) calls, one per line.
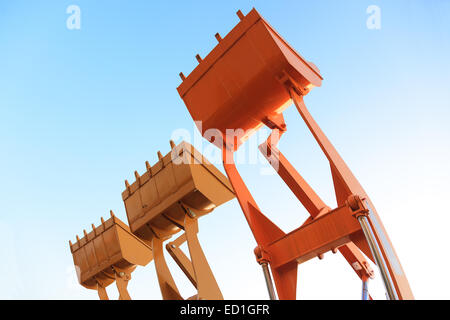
point(240, 15)
point(138, 177)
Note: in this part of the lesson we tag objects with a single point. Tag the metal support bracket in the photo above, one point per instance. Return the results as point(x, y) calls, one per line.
point(122, 277)
point(196, 268)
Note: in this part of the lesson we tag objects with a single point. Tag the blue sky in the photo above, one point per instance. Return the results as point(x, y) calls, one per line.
point(80, 110)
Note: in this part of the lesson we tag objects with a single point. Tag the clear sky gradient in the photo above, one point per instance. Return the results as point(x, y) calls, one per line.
point(80, 110)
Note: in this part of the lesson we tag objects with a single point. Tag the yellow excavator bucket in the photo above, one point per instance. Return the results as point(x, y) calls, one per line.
point(110, 252)
point(182, 176)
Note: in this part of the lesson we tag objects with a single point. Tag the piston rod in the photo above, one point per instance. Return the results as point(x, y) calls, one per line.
point(268, 279)
point(378, 256)
point(365, 289)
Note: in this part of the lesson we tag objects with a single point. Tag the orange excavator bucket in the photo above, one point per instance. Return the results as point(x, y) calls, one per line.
point(169, 197)
point(239, 84)
point(110, 252)
point(247, 81)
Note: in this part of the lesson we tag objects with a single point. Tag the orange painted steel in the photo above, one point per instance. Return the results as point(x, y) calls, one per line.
point(169, 197)
point(237, 86)
point(245, 82)
point(110, 252)
point(310, 200)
